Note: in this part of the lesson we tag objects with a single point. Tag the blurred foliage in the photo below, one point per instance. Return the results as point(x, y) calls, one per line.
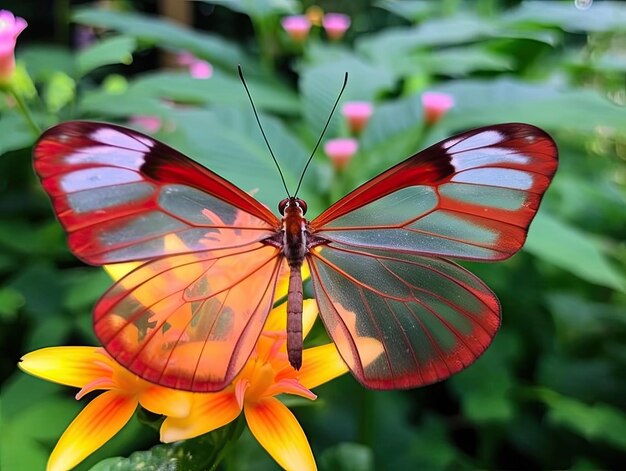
point(551, 391)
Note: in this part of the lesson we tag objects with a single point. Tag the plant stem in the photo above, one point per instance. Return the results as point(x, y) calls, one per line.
point(21, 104)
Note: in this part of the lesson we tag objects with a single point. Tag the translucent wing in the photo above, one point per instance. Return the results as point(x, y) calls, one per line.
point(119, 193)
point(472, 196)
point(187, 318)
point(190, 321)
point(431, 317)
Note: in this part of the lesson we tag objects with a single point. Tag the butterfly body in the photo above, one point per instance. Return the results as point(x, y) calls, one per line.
point(208, 256)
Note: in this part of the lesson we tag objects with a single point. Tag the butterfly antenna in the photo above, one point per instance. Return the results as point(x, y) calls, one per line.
point(256, 115)
point(343, 87)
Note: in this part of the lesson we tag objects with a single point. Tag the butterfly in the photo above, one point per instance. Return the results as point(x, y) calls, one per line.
point(209, 255)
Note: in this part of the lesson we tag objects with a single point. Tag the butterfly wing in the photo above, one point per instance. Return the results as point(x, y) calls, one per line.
point(119, 193)
point(431, 317)
point(188, 316)
point(190, 321)
point(470, 197)
point(380, 274)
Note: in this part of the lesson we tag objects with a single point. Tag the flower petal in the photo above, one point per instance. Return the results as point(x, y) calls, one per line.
point(118, 271)
point(95, 425)
point(277, 318)
point(166, 401)
point(320, 365)
point(72, 366)
point(208, 412)
point(278, 431)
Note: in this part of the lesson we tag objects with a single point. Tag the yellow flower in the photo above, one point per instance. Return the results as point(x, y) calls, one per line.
point(266, 374)
point(91, 369)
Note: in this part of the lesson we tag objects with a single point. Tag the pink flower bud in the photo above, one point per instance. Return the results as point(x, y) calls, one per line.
point(297, 26)
point(10, 28)
point(436, 105)
point(341, 151)
point(357, 113)
point(336, 25)
point(148, 123)
point(198, 68)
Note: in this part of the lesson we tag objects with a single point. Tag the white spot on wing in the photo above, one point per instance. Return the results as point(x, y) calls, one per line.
point(96, 178)
point(487, 156)
point(450, 143)
point(117, 138)
point(502, 177)
point(482, 139)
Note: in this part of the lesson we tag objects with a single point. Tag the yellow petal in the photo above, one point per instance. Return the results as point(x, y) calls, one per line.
point(118, 271)
point(166, 401)
point(320, 365)
point(277, 318)
point(283, 280)
point(95, 425)
point(72, 366)
point(208, 412)
point(278, 431)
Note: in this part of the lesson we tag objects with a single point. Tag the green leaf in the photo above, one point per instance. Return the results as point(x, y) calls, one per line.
point(60, 91)
point(11, 301)
point(259, 8)
point(489, 401)
point(347, 457)
point(602, 16)
point(85, 286)
point(597, 422)
point(164, 33)
point(412, 10)
point(237, 151)
point(114, 50)
point(320, 84)
point(15, 132)
point(43, 61)
point(484, 102)
point(571, 249)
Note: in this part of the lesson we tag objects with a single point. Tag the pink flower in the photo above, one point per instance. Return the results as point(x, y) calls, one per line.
point(436, 105)
point(297, 26)
point(341, 151)
point(357, 113)
point(336, 25)
point(198, 68)
point(10, 28)
point(148, 123)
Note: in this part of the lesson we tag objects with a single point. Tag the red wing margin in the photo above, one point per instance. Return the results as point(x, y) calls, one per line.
point(118, 193)
point(190, 321)
point(471, 196)
point(401, 320)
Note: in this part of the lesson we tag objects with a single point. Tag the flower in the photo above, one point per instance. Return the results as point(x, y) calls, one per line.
point(436, 105)
point(357, 113)
point(341, 151)
point(91, 369)
point(297, 26)
point(198, 68)
point(10, 28)
point(148, 123)
point(266, 374)
point(336, 25)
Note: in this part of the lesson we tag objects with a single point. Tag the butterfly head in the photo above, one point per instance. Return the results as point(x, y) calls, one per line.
point(292, 204)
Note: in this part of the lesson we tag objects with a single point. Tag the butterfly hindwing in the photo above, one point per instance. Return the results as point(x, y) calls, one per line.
point(430, 317)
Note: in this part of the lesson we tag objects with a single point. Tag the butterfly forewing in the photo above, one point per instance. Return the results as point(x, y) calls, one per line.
point(472, 196)
point(119, 193)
